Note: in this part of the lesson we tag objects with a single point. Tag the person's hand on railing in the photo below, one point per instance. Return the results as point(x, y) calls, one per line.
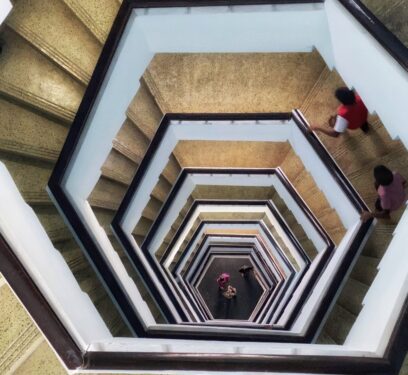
point(365, 216)
point(312, 128)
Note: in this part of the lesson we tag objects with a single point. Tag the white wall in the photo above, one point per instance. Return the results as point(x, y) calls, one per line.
point(186, 346)
point(5, 8)
point(386, 297)
point(46, 266)
point(365, 65)
point(257, 28)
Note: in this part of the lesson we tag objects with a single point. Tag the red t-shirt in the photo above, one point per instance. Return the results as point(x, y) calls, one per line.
point(355, 114)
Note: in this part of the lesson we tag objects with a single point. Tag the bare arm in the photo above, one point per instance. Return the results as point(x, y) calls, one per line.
point(326, 130)
point(365, 215)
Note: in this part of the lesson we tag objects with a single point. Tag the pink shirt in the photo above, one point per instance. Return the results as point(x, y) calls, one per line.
point(223, 279)
point(392, 196)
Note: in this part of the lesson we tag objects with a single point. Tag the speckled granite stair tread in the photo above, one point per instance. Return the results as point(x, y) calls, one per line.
point(230, 154)
point(231, 192)
point(29, 77)
point(379, 239)
point(196, 77)
point(96, 15)
point(161, 189)
point(144, 112)
point(152, 208)
point(325, 339)
point(142, 227)
point(119, 168)
point(393, 14)
point(376, 143)
point(131, 271)
point(365, 269)
point(107, 194)
point(331, 220)
point(53, 223)
point(134, 143)
point(229, 216)
point(339, 324)
point(292, 165)
point(352, 295)
point(69, 38)
point(14, 320)
point(281, 243)
point(172, 170)
point(313, 196)
point(104, 217)
point(25, 132)
point(111, 316)
point(30, 176)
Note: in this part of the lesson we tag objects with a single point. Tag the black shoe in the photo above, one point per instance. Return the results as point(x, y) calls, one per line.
point(365, 127)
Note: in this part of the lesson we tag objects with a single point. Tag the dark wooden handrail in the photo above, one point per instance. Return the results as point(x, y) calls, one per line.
point(38, 307)
point(378, 30)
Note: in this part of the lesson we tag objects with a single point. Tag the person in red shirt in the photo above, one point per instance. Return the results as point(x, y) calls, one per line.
point(390, 188)
point(352, 114)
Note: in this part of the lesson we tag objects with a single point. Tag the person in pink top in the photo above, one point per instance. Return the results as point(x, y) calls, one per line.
point(391, 193)
point(222, 280)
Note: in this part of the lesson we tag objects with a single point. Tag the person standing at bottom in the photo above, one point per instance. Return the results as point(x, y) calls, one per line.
point(230, 293)
point(222, 280)
point(245, 270)
point(391, 193)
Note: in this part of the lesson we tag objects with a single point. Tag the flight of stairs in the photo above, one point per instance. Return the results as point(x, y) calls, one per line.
point(356, 154)
point(47, 59)
point(49, 51)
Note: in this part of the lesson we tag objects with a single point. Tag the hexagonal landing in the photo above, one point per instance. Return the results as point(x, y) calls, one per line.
point(249, 290)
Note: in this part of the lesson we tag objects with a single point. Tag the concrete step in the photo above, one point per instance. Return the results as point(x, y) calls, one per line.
point(231, 192)
point(144, 112)
point(107, 194)
point(172, 170)
point(339, 324)
point(29, 134)
point(96, 15)
point(152, 209)
point(195, 87)
point(325, 339)
point(119, 168)
point(131, 142)
point(365, 269)
point(31, 177)
point(142, 227)
point(352, 296)
point(53, 223)
point(33, 20)
point(161, 190)
point(379, 240)
point(27, 77)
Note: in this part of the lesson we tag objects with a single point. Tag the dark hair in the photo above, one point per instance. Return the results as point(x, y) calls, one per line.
point(345, 96)
point(383, 176)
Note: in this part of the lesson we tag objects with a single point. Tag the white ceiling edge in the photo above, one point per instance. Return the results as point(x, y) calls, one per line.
point(5, 8)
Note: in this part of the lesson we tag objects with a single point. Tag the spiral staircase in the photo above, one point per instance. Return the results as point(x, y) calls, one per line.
point(201, 161)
